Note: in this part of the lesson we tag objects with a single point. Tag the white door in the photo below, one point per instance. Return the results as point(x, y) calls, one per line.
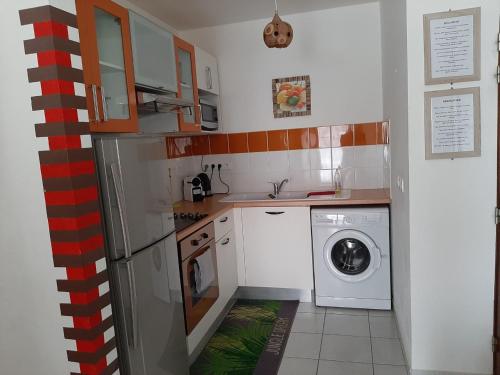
point(207, 72)
point(226, 266)
point(277, 247)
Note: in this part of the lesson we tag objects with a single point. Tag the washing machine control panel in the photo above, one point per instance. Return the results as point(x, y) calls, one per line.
point(347, 220)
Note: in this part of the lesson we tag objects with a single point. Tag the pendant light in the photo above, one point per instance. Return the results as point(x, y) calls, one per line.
point(277, 33)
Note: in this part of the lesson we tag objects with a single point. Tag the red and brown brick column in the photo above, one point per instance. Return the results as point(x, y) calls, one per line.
point(71, 192)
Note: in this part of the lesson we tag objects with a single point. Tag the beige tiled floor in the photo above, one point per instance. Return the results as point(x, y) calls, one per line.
point(332, 341)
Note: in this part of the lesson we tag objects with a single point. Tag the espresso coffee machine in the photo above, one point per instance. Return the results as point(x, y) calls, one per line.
point(193, 190)
point(206, 185)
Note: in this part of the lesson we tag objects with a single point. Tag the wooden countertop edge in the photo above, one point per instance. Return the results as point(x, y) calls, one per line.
point(200, 224)
point(214, 208)
point(291, 203)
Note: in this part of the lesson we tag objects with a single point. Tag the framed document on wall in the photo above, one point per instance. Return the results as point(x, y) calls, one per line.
point(452, 46)
point(452, 123)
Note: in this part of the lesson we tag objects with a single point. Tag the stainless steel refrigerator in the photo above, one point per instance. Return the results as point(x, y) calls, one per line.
point(142, 253)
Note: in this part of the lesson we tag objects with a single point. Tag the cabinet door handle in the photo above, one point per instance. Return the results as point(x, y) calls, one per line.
point(226, 241)
point(224, 220)
point(275, 212)
point(104, 105)
point(96, 106)
point(208, 74)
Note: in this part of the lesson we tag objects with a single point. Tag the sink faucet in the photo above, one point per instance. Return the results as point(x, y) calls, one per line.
point(277, 187)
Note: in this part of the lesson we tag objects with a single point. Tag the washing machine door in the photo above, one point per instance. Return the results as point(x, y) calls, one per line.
point(351, 255)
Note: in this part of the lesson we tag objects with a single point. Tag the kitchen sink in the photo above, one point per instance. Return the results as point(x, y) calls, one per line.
point(284, 196)
point(289, 195)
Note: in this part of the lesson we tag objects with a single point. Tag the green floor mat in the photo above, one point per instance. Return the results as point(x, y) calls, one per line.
point(250, 340)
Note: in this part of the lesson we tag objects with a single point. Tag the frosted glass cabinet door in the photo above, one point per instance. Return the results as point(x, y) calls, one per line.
point(186, 75)
point(189, 118)
point(111, 65)
point(154, 56)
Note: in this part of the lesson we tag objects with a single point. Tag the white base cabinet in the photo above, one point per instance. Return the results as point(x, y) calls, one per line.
point(226, 264)
point(277, 247)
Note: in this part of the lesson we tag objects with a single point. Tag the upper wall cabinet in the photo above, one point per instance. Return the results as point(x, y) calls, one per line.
point(207, 71)
point(154, 56)
point(107, 66)
point(189, 118)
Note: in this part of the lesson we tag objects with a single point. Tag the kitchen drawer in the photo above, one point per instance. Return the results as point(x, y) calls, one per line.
point(223, 224)
point(196, 241)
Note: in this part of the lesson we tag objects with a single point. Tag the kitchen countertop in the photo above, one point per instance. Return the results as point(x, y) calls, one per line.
point(214, 208)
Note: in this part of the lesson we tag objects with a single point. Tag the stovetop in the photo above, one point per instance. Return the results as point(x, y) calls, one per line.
point(185, 219)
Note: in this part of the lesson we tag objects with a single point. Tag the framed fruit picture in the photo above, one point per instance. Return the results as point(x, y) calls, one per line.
point(292, 96)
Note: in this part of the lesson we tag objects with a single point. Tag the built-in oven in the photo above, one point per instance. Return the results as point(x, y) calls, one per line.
point(199, 274)
point(209, 116)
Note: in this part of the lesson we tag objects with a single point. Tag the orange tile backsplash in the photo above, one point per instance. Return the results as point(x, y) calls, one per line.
point(238, 143)
point(298, 139)
point(365, 134)
point(279, 140)
point(257, 142)
point(219, 144)
point(320, 137)
point(201, 145)
point(342, 135)
point(382, 133)
point(179, 147)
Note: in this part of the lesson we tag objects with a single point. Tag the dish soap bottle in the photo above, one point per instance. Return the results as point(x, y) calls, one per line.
point(337, 181)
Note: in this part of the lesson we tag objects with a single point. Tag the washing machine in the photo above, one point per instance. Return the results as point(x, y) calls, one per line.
point(352, 264)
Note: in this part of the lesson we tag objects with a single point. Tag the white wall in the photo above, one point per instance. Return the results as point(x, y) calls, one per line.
point(395, 88)
point(31, 326)
point(339, 48)
point(452, 229)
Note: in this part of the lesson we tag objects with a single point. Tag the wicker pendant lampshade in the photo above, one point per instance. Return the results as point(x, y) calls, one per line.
point(277, 33)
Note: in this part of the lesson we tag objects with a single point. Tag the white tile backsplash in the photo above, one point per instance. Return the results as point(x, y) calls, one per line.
point(348, 176)
point(240, 162)
point(343, 157)
point(299, 180)
point(362, 167)
point(321, 178)
point(299, 160)
point(369, 156)
point(321, 158)
point(368, 178)
point(278, 161)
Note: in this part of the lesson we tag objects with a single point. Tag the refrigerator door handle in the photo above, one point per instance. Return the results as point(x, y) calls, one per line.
point(133, 303)
point(120, 199)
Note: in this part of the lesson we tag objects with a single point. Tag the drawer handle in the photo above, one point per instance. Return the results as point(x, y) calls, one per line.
point(226, 241)
point(224, 219)
point(275, 212)
point(203, 236)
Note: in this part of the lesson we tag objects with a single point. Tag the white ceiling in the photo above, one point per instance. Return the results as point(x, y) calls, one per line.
point(193, 14)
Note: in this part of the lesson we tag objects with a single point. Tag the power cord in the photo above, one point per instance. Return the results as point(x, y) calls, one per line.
point(219, 166)
point(212, 173)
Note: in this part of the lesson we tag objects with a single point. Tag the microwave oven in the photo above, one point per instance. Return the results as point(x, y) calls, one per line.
point(209, 116)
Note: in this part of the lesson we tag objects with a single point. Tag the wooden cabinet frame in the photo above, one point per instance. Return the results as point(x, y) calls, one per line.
point(183, 125)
